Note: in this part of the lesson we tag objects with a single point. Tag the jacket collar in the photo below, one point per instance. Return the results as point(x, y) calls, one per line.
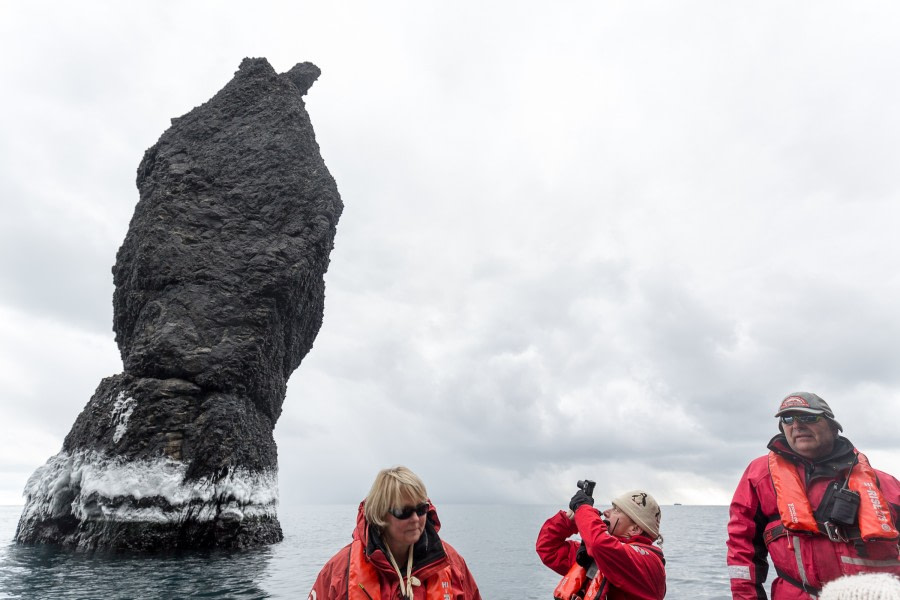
point(428, 551)
point(841, 458)
point(645, 542)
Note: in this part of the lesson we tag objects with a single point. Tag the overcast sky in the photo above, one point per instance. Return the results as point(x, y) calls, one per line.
point(580, 239)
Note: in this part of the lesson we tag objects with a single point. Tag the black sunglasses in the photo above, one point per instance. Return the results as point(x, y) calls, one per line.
point(805, 419)
point(407, 511)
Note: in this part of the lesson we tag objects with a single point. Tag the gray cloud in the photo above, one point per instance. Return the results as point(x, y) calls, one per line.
point(596, 241)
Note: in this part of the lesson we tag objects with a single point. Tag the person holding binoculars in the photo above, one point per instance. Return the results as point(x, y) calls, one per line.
point(814, 506)
point(616, 558)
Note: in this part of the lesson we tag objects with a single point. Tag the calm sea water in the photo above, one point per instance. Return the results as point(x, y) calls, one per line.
point(497, 542)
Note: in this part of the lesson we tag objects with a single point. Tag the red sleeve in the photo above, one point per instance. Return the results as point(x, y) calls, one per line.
point(331, 584)
point(636, 571)
point(552, 545)
point(466, 586)
point(747, 555)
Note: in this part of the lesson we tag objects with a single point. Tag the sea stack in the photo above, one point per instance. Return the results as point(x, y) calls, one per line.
point(219, 294)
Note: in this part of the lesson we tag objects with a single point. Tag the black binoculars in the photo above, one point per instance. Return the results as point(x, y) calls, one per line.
point(587, 486)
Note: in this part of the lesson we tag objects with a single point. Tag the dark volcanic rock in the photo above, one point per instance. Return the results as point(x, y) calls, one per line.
point(219, 296)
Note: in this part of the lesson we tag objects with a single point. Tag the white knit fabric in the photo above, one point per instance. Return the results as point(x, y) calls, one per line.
point(867, 586)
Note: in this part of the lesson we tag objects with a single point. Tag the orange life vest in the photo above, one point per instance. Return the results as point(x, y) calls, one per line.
point(874, 516)
point(572, 585)
point(575, 585)
point(363, 582)
point(597, 589)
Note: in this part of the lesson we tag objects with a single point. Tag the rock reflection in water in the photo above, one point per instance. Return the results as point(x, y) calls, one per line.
point(50, 572)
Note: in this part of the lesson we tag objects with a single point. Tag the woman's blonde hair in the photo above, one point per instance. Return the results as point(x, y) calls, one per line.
point(392, 488)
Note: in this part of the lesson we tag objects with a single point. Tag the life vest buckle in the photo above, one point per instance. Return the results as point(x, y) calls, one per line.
point(835, 533)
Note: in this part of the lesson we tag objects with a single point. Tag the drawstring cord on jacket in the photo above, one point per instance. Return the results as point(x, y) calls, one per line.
point(405, 588)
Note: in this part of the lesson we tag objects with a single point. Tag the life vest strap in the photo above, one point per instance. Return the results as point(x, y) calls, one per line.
point(770, 535)
point(812, 591)
point(829, 530)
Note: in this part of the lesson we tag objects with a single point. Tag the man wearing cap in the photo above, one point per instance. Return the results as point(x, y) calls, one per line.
point(814, 505)
point(616, 549)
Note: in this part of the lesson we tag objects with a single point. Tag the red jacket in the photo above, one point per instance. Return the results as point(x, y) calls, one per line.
point(430, 555)
point(633, 569)
point(754, 518)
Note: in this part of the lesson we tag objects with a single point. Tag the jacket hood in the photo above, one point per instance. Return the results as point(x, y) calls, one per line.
point(361, 532)
point(429, 553)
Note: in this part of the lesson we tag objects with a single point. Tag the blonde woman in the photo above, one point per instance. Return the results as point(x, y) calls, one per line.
point(396, 553)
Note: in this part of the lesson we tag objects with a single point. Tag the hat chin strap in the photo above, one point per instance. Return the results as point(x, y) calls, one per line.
point(616, 524)
point(612, 527)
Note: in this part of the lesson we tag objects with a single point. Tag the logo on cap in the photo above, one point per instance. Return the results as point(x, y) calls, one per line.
point(794, 402)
